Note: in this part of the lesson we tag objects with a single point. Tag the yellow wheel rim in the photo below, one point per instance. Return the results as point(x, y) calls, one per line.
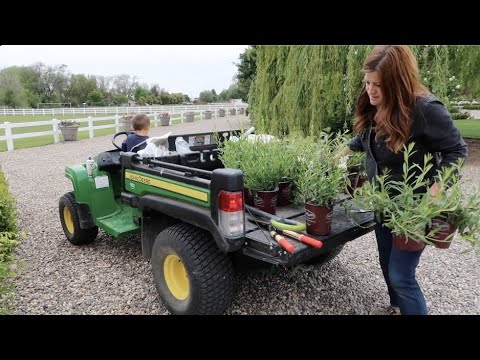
point(176, 277)
point(67, 217)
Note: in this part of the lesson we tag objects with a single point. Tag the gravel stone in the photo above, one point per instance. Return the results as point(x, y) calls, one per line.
point(110, 276)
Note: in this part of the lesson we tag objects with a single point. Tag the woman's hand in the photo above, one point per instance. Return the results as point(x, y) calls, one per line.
point(435, 189)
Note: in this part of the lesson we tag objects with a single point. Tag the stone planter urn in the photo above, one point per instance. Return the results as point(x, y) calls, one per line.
point(165, 119)
point(126, 122)
point(233, 111)
point(221, 113)
point(189, 116)
point(70, 132)
point(208, 114)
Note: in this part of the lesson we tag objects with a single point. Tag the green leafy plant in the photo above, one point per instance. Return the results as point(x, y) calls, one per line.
point(463, 210)
point(404, 205)
point(357, 162)
point(321, 178)
point(407, 208)
point(260, 161)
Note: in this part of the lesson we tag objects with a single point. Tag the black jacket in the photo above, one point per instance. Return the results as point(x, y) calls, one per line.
point(433, 131)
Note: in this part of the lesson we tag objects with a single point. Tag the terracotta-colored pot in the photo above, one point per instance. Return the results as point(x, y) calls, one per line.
point(248, 195)
point(411, 245)
point(266, 200)
point(353, 177)
point(361, 180)
point(444, 236)
point(318, 219)
point(284, 193)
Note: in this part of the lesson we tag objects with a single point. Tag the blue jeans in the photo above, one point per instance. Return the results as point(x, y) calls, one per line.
point(398, 267)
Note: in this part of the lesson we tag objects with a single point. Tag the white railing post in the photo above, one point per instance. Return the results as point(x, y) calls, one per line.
point(90, 127)
point(55, 123)
point(84, 109)
point(155, 118)
point(181, 117)
point(201, 114)
point(117, 123)
point(8, 135)
point(73, 111)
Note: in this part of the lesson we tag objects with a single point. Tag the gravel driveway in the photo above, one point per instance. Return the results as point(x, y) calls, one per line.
point(111, 277)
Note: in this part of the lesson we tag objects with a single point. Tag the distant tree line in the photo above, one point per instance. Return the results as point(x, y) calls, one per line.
point(28, 86)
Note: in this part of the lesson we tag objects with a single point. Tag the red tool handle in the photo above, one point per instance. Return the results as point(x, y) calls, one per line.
point(310, 241)
point(283, 242)
point(304, 238)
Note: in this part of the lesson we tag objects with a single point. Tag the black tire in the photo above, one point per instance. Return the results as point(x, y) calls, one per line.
point(68, 210)
point(326, 257)
point(182, 251)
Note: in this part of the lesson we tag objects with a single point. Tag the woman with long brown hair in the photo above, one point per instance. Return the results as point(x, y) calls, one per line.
point(394, 109)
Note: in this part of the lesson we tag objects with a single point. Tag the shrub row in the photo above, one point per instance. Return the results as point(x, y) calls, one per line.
point(8, 241)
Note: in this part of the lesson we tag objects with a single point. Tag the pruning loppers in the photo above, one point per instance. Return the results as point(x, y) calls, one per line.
point(283, 226)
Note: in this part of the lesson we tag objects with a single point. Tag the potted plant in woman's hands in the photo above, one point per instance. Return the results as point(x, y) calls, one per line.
point(467, 220)
point(408, 209)
point(404, 206)
point(457, 211)
point(69, 129)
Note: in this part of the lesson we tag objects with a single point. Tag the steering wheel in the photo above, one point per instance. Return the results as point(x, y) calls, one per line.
point(115, 136)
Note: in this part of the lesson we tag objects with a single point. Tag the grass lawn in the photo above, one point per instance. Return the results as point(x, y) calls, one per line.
point(469, 128)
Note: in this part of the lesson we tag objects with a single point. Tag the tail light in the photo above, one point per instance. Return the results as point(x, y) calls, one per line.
point(231, 217)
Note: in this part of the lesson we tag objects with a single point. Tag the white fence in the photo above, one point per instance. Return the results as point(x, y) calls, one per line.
point(9, 137)
point(119, 110)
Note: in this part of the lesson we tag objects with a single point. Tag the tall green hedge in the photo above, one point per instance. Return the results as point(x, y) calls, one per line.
point(8, 242)
point(8, 222)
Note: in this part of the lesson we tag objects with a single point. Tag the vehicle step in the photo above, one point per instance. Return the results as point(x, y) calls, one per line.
point(121, 223)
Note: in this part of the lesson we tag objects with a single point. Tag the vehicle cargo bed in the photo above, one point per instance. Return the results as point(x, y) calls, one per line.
point(260, 245)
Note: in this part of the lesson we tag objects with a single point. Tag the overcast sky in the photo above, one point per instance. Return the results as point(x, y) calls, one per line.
point(188, 69)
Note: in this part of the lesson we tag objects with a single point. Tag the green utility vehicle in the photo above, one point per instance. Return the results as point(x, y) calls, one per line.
point(190, 214)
